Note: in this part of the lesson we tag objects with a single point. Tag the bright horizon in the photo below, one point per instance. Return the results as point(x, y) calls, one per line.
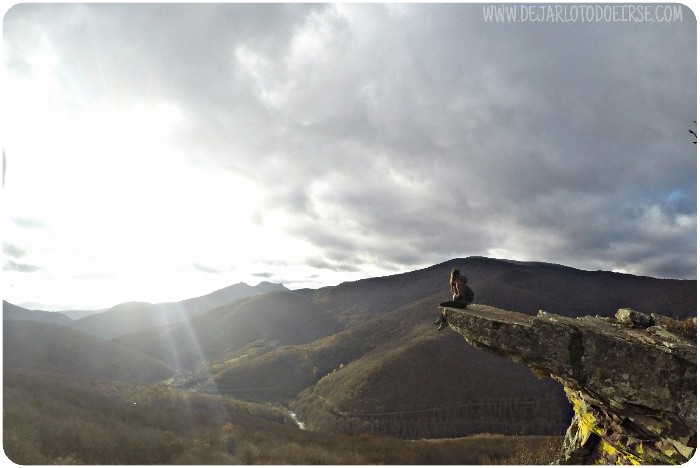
point(32, 305)
point(161, 152)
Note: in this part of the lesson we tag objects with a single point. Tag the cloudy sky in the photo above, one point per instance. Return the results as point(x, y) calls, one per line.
point(159, 152)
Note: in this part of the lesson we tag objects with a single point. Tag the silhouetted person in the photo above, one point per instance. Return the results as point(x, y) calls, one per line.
point(462, 295)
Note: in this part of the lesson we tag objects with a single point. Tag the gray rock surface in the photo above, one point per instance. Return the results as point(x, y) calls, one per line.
point(632, 385)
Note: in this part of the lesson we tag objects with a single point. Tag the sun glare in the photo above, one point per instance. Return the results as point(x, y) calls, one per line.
point(117, 199)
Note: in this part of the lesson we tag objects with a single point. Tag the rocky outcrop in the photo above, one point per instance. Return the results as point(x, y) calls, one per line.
point(632, 382)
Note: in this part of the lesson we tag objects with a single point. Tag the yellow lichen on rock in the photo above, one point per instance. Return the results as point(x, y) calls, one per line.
point(604, 452)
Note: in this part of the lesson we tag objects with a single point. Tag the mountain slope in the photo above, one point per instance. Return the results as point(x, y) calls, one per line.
point(363, 368)
point(250, 325)
point(396, 375)
point(56, 349)
point(522, 286)
point(59, 420)
point(51, 419)
point(132, 317)
point(13, 312)
point(529, 287)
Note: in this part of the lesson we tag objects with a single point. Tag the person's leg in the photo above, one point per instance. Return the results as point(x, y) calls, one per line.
point(441, 317)
point(442, 320)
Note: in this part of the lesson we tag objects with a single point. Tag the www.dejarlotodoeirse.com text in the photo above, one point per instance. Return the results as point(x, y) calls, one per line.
point(571, 13)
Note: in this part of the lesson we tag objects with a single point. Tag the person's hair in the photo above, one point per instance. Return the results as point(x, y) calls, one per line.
point(453, 275)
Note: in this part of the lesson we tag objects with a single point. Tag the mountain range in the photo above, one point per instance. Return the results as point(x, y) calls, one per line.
point(131, 317)
point(360, 357)
point(13, 312)
point(134, 316)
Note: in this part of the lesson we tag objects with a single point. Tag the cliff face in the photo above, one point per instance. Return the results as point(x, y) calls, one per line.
point(632, 384)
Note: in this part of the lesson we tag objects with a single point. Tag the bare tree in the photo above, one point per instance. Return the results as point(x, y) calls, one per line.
point(694, 134)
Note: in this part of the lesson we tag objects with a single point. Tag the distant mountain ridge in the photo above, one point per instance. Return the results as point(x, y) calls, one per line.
point(13, 312)
point(131, 317)
point(74, 314)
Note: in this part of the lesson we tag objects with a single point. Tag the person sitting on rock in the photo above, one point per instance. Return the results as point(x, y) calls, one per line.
point(462, 295)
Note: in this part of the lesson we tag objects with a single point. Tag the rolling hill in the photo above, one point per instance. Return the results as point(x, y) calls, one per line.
point(50, 348)
point(13, 312)
point(395, 375)
point(132, 317)
point(248, 326)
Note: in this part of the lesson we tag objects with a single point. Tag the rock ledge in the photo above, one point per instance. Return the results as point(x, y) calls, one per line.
point(632, 384)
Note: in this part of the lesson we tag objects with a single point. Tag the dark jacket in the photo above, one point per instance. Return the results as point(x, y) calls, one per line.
point(459, 289)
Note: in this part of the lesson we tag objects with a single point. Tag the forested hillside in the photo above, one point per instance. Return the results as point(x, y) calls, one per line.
point(45, 347)
point(53, 420)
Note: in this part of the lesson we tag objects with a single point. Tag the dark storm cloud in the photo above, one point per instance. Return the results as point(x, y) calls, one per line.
point(404, 135)
point(180, 50)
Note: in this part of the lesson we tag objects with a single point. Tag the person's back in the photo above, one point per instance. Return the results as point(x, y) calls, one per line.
point(462, 292)
point(459, 289)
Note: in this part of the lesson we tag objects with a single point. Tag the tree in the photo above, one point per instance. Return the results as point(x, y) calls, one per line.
point(694, 134)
